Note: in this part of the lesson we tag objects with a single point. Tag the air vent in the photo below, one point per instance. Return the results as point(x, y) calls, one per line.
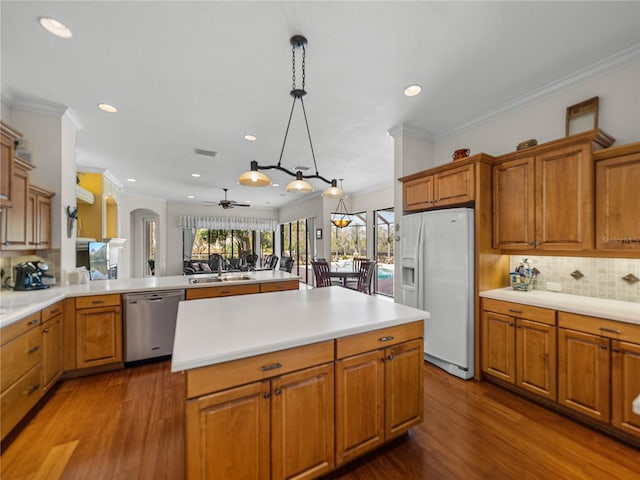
point(208, 153)
point(301, 168)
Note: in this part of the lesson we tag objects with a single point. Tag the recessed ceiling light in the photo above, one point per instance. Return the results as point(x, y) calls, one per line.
point(105, 107)
point(196, 175)
point(275, 184)
point(190, 196)
point(131, 179)
point(250, 138)
point(54, 27)
point(412, 90)
point(248, 201)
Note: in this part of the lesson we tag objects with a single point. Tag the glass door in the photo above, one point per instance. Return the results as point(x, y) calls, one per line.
point(384, 248)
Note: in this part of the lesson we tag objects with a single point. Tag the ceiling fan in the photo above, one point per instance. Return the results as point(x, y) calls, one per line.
point(228, 203)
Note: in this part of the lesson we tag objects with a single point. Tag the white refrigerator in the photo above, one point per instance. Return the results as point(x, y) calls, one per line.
point(437, 259)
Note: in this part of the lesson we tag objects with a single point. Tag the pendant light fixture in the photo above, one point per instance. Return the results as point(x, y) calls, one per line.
point(341, 217)
point(255, 178)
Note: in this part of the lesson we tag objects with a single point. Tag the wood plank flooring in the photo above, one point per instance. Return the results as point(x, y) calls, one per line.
point(128, 425)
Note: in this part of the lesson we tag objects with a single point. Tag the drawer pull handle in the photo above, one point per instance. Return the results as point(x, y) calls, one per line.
point(32, 389)
point(266, 368)
point(515, 310)
point(386, 339)
point(610, 330)
point(33, 349)
point(54, 311)
point(33, 322)
point(97, 302)
point(225, 291)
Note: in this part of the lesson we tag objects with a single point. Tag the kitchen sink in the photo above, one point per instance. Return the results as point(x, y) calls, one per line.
point(206, 280)
point(237, 278)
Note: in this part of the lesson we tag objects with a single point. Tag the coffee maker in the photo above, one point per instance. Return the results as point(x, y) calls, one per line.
point(29, 276)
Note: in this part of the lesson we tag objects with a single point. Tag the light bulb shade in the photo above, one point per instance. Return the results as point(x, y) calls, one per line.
point(299, 186)
point(254, 178)
point(341, 218)
point(333, 191)
point(341, 222)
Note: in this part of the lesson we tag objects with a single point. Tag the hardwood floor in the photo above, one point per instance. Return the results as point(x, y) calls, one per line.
point(128, 425)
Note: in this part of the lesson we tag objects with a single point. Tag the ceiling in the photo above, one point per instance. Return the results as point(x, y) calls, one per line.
point(188, 75)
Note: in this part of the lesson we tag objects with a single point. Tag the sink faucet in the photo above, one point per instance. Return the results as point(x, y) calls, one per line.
point(220, 267)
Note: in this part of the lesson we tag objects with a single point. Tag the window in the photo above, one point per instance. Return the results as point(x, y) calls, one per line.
point(349, 242)
point(384, 251)
point(231, 244)
point(297, 245)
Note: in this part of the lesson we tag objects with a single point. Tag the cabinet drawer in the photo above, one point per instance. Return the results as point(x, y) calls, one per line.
point(237, 372)
point(279, 286)
point(222, 291)
point(51, 311)
point(627, 332)
point(385, 337)
point(16, 329)
point(19, 399)
point(19, 356)
point(98, 301)
point(537, 314)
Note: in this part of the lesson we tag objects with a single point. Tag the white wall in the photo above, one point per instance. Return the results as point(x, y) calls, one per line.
point(174, 234)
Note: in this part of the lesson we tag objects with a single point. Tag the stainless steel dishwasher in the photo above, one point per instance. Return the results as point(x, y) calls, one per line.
point(150, 323)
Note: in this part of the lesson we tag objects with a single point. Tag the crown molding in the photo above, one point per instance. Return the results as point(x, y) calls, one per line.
point(403, 129)
point(72, 119)
point(601, 67)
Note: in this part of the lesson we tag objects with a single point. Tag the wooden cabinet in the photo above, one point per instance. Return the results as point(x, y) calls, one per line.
point(8, 137)
point(20, 370)
point(450, 186)
point(519, 345)
point(280, 425)
point(39, 218)
point(379, 388)
point(617, 205)
point(14, 232)
point(222, 291)
point(599, 369)
point(52, 350)
point(543, 198)
point(279, 286)
point(98, 330)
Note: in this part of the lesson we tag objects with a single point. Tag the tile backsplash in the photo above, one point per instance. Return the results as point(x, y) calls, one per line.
point(602, 276)
point(51, 257)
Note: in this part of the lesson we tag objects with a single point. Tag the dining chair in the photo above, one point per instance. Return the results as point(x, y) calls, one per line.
point(357, 264)
point(366, 274)
point(286, 264)
point(321, 273)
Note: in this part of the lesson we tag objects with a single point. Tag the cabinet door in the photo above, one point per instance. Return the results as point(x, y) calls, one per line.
point(513, 204)
point(498, 346)
point(625, 385)
point(98, 336)
point(404, 387)
point(6, 168)
point(359, 405)
point(15, 218)
point(418, 193)
point(51, 351)
point(302, 424)
point(564, 198)
point(454, 186)
point(43, 222)
point(536, 358)
point(227, 434)
point(583, 373)
point(617, 225)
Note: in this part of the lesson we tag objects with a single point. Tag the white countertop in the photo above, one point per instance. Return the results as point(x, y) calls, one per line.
point(15, 305)
point(595, 307)
point(217, 330)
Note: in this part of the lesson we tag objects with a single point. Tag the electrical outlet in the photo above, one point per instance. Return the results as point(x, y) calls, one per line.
point(554, 286)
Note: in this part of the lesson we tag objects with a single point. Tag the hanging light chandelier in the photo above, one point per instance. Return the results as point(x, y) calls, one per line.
point(341, 217)
point(255, 178)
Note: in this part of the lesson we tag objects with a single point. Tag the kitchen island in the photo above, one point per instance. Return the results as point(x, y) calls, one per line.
point(297, 383)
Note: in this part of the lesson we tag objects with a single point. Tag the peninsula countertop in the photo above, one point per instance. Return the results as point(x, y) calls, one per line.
point(217, 330)
point(595, 307)
point(15, 305)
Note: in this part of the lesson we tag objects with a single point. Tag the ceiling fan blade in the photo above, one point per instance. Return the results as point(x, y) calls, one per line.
point(241, 205)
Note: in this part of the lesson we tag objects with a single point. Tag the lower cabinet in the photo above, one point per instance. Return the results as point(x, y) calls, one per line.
point(52, 350)
point(519, 346)
point(599, 369)
point(98, 330)
point(379, 393)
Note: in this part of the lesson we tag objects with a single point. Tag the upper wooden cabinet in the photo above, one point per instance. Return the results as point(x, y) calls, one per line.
point(8, 137)
point(39, 218)
point(618, 203)
point(14, 233)
point(450, 184)
point(543, 197)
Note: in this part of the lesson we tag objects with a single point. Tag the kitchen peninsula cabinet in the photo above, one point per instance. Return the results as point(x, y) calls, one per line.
point(446, 185)
point(617, 206)
point(52, 351)
point(224, 290)
point(599, 369)
point(519, 346)
point(20, 371)
point(543, 197)
point(376, 395)
point(98, 330)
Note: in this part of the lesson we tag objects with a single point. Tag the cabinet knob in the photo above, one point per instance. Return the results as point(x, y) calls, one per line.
point(603, 346)
point(46, 330)
point(511, 324)
point(266, 394)
point(278, 391)
point(615, 350)
point(390, 357)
